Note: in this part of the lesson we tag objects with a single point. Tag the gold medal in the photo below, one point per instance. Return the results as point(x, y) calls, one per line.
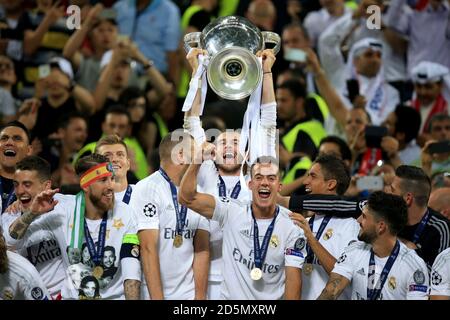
point(274, 242)
point(256, 274)
point(307, 268)
point(97, 272)
point(178, 241)
point(328, 234)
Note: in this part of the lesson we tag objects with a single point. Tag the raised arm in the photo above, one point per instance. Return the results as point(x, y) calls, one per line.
point(41, 204)
point(336, 284)
point(326, 90)
point(188, 195)
point(201, 263)
point(326, 259)
point(75, 41)
point(33, 38)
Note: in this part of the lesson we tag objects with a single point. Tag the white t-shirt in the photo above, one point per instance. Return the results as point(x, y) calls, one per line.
point(121, 226)
point(407, 280)
point(343, 232)
point(152, 200)
point(440, 274)
point(288, 250)
point(21, 281)
point(41, 249)
point(208, 182)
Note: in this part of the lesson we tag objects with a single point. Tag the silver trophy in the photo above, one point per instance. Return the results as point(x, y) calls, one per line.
point(232, 42)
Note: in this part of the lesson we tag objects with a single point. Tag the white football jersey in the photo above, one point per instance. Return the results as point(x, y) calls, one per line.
point(119, 250)
point(286, 249)
point(440, 274)
point(208, 182)
point(407, 280)
point(21, 281)
point(152, 200)
point(337, 235)
point(40, 247)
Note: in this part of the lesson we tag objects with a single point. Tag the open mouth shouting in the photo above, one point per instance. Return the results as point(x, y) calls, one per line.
point(264, 193)
point(25, 200)
point(9, 153)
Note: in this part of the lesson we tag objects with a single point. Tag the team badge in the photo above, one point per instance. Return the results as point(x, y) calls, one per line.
point(392, 283)
point(299, 244)
point(419, 277)
point(274, 242)
point(37, 293)
point(224, 199)
point(328, 234)
point(135, 251)
point(436, 278)
point(149, 210)
point(7, 294)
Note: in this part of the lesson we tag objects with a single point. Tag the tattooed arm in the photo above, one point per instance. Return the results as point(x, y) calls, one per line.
point(20, 225)
point(336, 284)
point(132, 289)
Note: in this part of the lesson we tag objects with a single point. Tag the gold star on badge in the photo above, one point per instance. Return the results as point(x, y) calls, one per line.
point(118, 223)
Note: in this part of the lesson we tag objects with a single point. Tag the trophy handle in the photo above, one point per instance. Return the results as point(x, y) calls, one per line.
point(272, 37)
point(192, 40)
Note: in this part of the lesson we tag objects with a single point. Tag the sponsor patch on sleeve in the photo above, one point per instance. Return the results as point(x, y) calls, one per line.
point(37, 293)
point(293, 252)
point(418, 287)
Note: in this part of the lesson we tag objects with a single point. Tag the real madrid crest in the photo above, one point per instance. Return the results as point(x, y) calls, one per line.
point(328, 234)
point(392, 284)
point(274, 242)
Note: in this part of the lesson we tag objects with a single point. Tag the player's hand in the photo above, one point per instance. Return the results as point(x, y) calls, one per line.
point(268, 59)
point(44, 202)
point(192, 58)
point(301, 221)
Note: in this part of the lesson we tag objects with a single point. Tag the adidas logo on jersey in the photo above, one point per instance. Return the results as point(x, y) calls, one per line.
point(246, 233)
point(361, 272)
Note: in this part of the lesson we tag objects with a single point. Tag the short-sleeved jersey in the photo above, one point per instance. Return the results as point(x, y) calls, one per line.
point(120, 260)
point(337, 235)
point(152, 200)
point(407, 280)
point(40, 248)
point(440, 274)
point(21, 281)
point(286, 249)
point(208, 182)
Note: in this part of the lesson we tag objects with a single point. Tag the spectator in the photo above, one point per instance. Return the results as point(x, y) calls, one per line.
point(160, 45)
point(317, 21)
point(429, 83)
point(440, 201)
point(403, 124)
point(262, 13)
point(64, 96)
point(11, 38)
point(45, 34)
point(410, 23)
point(9, 105)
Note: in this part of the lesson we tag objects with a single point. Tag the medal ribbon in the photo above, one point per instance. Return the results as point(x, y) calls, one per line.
point(261, 251)
point(223, 189)
point(372, 294)
point(181, 214)
point(421, 227)
point(97, 255)
point(310, 253)
point(127, 195)
point(77, 233)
